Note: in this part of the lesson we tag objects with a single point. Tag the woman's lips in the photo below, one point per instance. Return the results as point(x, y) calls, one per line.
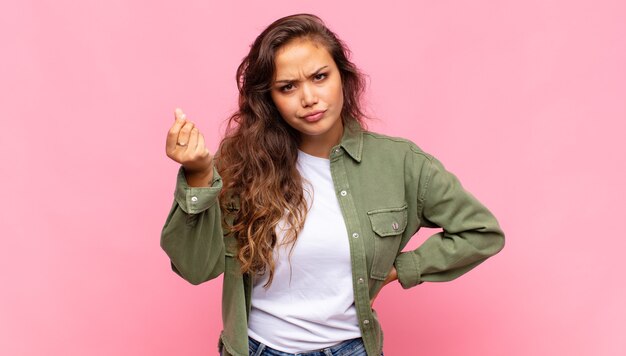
point(314, 117)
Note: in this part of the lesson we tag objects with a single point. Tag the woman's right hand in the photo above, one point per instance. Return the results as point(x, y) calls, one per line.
point(185, 145)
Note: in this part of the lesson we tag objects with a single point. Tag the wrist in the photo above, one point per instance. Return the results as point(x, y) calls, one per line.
point(201, 178)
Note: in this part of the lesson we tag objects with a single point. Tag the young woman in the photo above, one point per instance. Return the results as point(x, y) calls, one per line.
point(305, 212)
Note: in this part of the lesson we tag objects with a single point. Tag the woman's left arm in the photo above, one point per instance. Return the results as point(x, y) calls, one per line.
point(470, 233)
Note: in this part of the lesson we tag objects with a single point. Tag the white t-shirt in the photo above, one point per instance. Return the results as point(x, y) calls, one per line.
point(311, 305)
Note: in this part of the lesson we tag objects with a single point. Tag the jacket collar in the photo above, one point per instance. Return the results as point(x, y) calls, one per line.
point(352, 139)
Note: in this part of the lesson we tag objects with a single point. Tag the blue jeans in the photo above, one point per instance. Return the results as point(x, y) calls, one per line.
point(352, 347)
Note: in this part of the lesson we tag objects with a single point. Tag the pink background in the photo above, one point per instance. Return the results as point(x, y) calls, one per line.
point(524, 100)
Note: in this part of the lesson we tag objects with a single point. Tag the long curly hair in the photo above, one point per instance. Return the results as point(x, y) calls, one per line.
point(257, 156)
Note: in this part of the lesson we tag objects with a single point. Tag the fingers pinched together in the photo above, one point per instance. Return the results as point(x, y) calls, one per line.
point(185, 144)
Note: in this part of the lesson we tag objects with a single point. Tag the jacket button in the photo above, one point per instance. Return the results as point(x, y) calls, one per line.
point(365, 322)
point(395, 226)
point(194, 199)
point(355, 235)
point(361, 280)
point(337, 150)
point(343, 193)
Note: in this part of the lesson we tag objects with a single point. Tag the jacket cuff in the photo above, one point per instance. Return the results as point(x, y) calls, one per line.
point(408, 268)
point(194, 200)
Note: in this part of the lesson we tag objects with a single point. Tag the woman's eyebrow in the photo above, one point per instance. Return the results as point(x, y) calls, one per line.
point(291, 80)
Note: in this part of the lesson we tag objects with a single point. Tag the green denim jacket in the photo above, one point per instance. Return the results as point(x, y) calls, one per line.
point(387, 189)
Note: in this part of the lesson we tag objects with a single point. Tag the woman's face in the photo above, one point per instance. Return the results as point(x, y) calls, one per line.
point(307, 81)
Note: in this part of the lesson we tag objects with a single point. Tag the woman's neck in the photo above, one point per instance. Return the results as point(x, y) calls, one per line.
point(320, 145)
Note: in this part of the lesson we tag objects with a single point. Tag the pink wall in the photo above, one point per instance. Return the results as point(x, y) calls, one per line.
point(524, 100)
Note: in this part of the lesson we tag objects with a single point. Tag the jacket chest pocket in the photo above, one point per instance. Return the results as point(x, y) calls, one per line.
point(388, 225)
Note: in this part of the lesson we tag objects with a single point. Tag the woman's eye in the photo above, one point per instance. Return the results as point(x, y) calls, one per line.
point(320, 76)
point(286, 87)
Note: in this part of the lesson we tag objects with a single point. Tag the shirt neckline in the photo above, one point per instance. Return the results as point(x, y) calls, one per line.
point(314, 160)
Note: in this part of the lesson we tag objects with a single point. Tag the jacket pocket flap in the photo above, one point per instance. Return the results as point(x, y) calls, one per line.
point(389, 221)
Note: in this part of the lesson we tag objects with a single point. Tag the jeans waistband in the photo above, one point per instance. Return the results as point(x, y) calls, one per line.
point(343, 348)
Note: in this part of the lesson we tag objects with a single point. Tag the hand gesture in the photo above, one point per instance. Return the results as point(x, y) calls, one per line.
point(185, 145)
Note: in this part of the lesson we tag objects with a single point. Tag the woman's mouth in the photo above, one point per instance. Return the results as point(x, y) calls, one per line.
point(315, 116)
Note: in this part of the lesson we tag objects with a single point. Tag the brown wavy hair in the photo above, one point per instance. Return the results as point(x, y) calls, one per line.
point(257, 156)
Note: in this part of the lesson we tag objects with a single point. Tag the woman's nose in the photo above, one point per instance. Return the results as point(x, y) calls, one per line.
point(309, 97)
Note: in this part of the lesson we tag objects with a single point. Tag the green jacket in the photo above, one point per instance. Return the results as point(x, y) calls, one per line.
point(387, 189)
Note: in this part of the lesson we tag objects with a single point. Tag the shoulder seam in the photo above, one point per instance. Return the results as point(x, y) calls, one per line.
point(412, 146)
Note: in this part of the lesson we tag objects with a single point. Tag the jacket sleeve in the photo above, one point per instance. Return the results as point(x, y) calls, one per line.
point(470, 233)
point(192, 235)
